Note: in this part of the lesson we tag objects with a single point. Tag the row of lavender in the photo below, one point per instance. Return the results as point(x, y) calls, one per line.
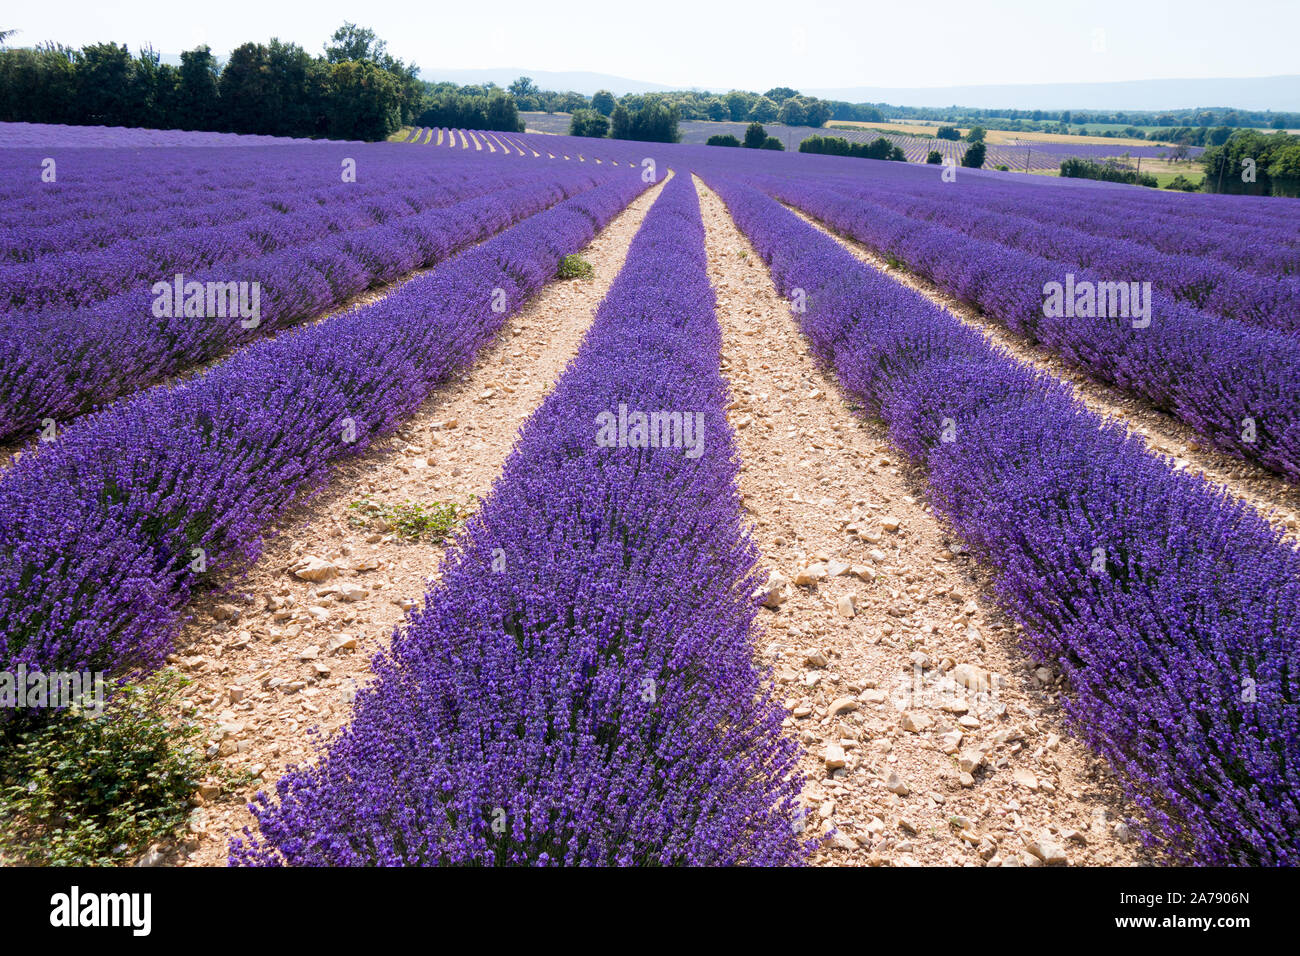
point(579, 687)
point(1175, 224)
point(108, 186)
point(20, 135)
point(1236, 228)
point(1266, 296)
point(105, 533)
point(1233, 384)
point(57, 364)
point(315, 204)
point(1173, 611)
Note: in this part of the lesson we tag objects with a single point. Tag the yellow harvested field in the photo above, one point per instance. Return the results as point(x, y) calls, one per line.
point(998, 137)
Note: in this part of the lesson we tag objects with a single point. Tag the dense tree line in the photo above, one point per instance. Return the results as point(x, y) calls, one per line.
point(471, 109)
point(651, 120)
point(353, 90)
point(880, 148)
point(1108, 171)
point(779, 104)
point(1254, 163)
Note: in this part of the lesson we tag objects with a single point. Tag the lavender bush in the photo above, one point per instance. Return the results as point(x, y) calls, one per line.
point(579, 687)
point(1268, 301)
point(57, 364)
point(1172, 610)
point(105, 533)
point(1233, 384)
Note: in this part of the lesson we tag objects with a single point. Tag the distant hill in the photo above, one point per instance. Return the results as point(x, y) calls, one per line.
point(1251, 93)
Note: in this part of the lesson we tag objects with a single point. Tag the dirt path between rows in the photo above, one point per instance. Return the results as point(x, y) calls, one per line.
point(279, 655)
point(931, 738)
point(1274, 497)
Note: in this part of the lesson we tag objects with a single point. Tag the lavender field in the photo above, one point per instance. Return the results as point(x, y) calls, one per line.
point(525, 499)
point(1028, 154)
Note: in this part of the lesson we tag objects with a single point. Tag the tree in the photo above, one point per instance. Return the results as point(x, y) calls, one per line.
point(975, 134)
point(295, 85)
point(245, 88)
point(603, 102)
point(571, 102)
point(974, 156)
point(38, 85)
point(792, 113)
point(470, 107)
point(817, 112)
point(103, 74)
point(722, 139)
point(934, 158)
point(501, 113)
point(739, 103)
point(879, 148)
point(197, 98)
point(151, 90)
point(655, 122)
point(1284, 170)
point(351, 43)
point(588, 123)
point(525, 93)
point(948, 132)
point(717, 110)
point(779, 94)
point(363, 101)
point(1226, 164)
point(755, 136)
point(764, 110)
point(620, 122)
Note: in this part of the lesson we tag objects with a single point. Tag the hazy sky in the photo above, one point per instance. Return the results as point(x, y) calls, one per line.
point(754, 44)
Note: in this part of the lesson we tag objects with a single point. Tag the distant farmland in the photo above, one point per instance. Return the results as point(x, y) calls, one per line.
point(1028, 153)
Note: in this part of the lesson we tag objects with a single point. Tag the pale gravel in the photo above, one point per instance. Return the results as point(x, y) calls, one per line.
point(808, 463)
point(425, 461)
point(1273, 496)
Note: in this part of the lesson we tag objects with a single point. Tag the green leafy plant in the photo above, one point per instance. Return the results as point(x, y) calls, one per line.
point(413, 521)
point(97, 789)
point(573, 266)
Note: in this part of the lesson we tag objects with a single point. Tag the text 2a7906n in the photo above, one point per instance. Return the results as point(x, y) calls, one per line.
point(1194, 899)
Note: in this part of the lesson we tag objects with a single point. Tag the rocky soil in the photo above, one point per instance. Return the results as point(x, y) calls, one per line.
point(931, 738)
point(1273, 496)
point(281, 653)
